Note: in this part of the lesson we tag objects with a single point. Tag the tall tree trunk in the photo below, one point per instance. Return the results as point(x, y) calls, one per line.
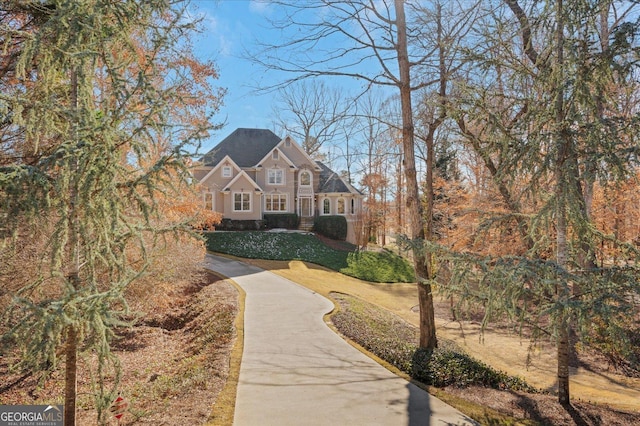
point(563, 141)
point(422, 264)
point(71, 347)
point(70, 377)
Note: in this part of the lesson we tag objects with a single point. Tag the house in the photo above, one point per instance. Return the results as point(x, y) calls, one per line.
point(254, 172)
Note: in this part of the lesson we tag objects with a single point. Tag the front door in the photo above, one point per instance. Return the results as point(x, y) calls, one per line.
point(305, 207)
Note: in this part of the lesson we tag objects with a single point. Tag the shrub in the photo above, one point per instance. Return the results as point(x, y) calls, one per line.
point(393, 340)
point(334, 227)
point(281, 220)
point(444, 367)
point(240, 225)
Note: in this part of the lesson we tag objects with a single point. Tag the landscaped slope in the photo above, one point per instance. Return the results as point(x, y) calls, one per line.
point(383, 266)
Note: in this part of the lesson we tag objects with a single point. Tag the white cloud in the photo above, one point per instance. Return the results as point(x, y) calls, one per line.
point(261, 7)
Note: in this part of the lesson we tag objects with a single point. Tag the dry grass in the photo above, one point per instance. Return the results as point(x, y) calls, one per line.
point(175, 361)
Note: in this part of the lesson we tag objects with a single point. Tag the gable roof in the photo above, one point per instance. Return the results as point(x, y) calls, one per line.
point(331, 182)
point(232, 164)
point(289, 139)
point(281, 155)
point(243, 176)
point(246, 146)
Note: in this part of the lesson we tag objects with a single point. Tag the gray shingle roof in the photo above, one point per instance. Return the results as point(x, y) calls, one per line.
point(330, 182)
point(245, 146)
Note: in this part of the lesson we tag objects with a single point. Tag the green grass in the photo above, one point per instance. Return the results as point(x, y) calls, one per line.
point(384, 267)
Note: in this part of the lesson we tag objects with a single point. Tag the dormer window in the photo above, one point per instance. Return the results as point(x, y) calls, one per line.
point(226, 171)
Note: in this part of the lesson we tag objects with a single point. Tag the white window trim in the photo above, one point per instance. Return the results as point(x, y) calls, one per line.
point(352, 206)
point(227, 172)
point(233, 201)
point(310, 178)
point(286, 202)
point(344, 205)
point(323, 201)
point(275, 169)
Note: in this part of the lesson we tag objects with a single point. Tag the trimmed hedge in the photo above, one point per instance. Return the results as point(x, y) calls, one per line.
point(240, 225)
point(281, 220)
point(334, 227)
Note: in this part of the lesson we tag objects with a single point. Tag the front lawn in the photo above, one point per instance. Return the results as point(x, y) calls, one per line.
point(382, 266)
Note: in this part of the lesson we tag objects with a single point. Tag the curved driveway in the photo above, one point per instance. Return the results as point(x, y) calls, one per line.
point(296, 371)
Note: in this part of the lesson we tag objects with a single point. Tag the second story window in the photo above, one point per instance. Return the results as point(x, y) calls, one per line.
point(305, 178)
point(274, 155)
point(275, 177)
point(226, 171)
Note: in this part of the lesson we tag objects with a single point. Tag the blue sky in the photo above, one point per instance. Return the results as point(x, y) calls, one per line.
point(230, 28)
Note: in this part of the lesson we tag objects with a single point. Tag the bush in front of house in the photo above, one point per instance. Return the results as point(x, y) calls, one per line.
point(334, 227)
point(240, 225)
point(281, 220)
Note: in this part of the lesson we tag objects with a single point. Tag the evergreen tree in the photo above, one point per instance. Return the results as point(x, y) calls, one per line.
point(560, 123)
point(102, 98)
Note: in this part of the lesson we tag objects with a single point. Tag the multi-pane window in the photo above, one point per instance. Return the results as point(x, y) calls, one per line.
point(226, 171)
point(275, 177)
point(326, 206)
point(276, 202)
point(275, 155)
point(241, 202)
point(341, 209)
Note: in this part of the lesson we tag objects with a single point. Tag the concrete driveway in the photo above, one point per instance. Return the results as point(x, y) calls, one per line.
point(296, 371)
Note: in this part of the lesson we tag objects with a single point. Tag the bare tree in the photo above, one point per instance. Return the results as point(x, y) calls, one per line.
point(370, 41)
point(318, 111)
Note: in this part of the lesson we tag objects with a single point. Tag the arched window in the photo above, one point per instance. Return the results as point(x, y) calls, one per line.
point(326, 206)
point(341, 206)
point(353, 206)
point(305, 178)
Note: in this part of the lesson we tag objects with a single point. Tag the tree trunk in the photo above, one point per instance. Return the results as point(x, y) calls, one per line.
point(70, 377)
point(422, 264)
point(563, 142)
point(71, 348)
